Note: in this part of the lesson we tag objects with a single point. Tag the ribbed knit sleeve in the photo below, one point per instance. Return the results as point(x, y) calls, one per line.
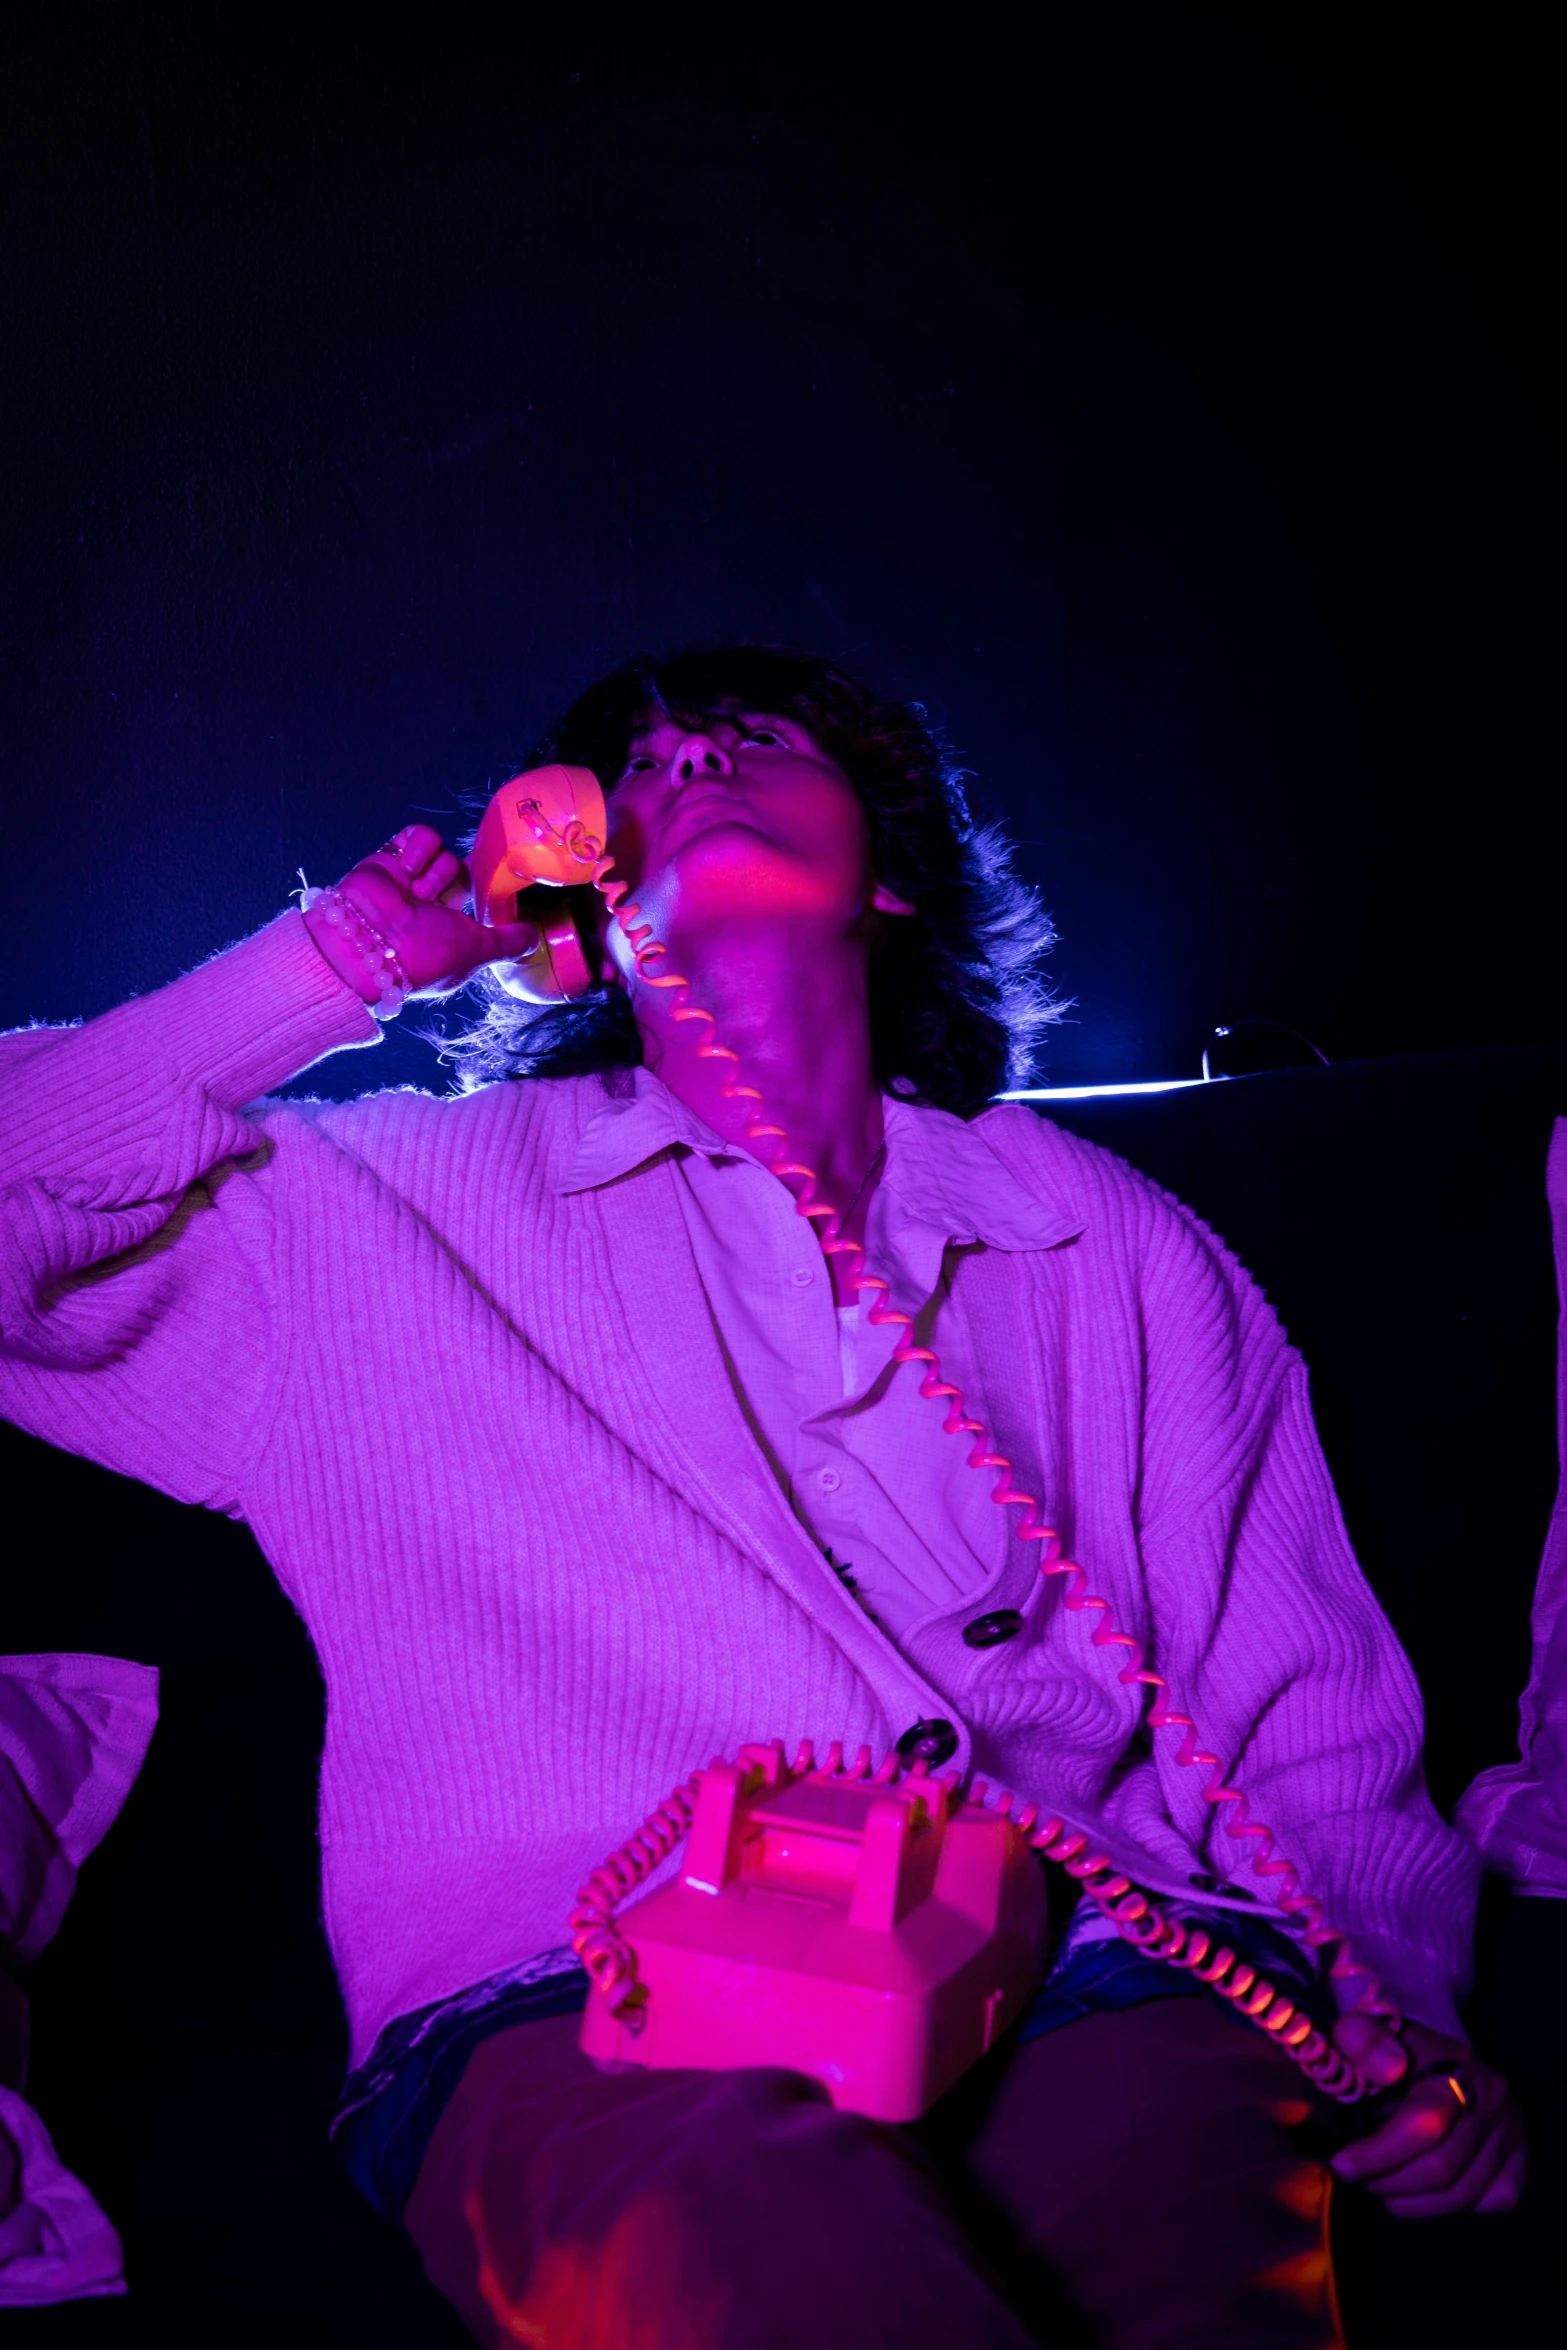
point(1248, 1599)
point(135, 1324)
point(1268, 1629)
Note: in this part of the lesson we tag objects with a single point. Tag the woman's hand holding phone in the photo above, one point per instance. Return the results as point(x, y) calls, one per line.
point(413, 893)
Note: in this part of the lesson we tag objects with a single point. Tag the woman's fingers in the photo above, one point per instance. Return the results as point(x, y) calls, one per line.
point(406, 856)
point(514, 942)
point(436, 877)
point(1373, 2048)
point(415, 847)
point(419, 860)
point(1462, 2164)
point(1424, 2191)
point(1453, 2143)
point(1427, 2128)
point(415, 863)
point(1506, 2192)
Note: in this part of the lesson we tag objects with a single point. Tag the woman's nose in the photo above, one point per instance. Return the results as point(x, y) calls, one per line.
point(698, 755)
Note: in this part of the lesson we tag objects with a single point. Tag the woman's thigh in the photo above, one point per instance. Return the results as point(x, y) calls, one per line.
point(561, 2205)
point(1151, 2163)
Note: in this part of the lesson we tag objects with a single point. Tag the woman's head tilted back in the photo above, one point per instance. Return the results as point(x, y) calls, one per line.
point(957, 994)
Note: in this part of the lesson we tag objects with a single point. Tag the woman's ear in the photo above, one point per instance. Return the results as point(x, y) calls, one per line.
point(887, 901)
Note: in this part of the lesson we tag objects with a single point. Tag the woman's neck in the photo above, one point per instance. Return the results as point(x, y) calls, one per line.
point(796, 1016)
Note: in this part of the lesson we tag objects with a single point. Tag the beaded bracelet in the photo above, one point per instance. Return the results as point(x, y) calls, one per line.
point(378, 955)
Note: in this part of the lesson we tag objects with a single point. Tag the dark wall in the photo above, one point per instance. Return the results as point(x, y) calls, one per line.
point(1166, 402)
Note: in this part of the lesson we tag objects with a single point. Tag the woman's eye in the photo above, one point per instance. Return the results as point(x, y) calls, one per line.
point(766, 734)
point(638, 764)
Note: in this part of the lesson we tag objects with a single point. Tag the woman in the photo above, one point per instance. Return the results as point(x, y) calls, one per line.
point(584, 1463)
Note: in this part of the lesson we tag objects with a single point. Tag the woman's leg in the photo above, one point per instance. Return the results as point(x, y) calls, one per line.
point(559, 2205)
point(1151, 2161)
point(1147, 2161)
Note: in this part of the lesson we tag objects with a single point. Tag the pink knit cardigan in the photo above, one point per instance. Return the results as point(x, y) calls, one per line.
point(484, 1433)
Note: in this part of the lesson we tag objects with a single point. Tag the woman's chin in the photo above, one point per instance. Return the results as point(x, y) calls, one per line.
point(730, 872)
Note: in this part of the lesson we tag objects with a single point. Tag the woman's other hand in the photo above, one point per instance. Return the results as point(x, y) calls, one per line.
point(412, 893)
point(1454, 2141)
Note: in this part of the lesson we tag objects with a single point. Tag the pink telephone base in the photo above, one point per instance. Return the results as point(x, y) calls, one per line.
point(870, 1933)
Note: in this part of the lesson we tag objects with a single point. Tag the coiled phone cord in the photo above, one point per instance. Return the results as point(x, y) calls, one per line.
point(603, 1949)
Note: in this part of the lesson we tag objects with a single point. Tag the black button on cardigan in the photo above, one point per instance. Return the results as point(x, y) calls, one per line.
point(1004, 1623)
point(928, 1742)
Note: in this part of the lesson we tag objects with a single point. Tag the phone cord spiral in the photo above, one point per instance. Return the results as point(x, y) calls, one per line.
point(1135, 1917)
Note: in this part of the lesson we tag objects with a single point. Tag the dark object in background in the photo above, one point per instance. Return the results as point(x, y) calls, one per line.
point(188, 2041)
point(1247, 1048)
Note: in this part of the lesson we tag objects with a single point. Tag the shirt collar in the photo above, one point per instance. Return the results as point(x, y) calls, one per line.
point(939, 1171)
point(946, 1176)
point(638, 1120)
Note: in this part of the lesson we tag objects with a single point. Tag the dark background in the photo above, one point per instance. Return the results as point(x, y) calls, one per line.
point(1166, 398)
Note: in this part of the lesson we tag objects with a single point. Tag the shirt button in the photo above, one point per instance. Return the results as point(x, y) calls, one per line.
point(929, 1742)
point(1004, 1623)
point(802, 1276)
point(829, 1480)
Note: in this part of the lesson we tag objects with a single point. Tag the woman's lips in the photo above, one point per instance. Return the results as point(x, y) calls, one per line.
point(700, 799)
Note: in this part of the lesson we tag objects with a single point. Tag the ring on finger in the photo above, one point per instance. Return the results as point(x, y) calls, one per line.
point(1454, 2078)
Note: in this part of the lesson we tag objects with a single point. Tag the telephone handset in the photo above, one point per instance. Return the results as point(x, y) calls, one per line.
point(524, 842)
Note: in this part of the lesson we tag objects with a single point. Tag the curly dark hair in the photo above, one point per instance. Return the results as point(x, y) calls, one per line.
point(957, 997)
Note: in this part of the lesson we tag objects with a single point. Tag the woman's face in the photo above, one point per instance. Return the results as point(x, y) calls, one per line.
point(740, 819)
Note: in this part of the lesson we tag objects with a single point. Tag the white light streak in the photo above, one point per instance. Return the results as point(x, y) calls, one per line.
point(1085, 1093)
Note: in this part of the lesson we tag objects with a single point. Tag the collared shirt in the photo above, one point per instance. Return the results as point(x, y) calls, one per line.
point(860, 1454)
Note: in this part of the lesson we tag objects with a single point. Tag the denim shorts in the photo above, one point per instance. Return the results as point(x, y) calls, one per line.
point(392, 2102)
